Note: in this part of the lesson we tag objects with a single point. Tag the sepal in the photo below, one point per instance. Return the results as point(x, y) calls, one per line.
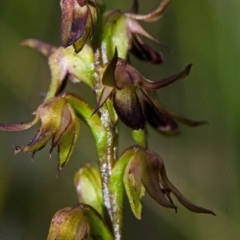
point(78, 20)
point(65, 64)
point(114, 23)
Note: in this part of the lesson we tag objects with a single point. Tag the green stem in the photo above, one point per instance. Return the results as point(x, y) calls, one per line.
point(107, 163)
point(109, 121)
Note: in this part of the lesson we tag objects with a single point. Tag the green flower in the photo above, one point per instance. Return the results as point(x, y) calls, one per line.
point(141, 170)
point(132, 32)
point(59, 124)
point(65, 65)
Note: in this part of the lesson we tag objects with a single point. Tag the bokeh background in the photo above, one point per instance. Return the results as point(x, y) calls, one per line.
point(202, 162)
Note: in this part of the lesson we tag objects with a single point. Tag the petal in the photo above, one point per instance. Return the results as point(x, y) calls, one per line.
point(50, 115)
point(18, 127)
point(150, 85)
point(106, 93)
point(150, 177)
point(66, 120)
point(74, 20)
point(68, 141)
point(79, 44)
point(145, 52)
point(152, 96)
point(134, 189)
point(44, 48)
point(135, 27)
point(123, 77)
point(153, 16)
point(128, 107)
point(88, 29)
point(155, 117)
point(38, 142)
point(190, 206)
point(108, 78)
point(182, 119)
point(65, 63)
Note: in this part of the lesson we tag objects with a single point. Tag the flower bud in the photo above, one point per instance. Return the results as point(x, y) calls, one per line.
point(78, 223)
point(68, 224)
point(88, 185)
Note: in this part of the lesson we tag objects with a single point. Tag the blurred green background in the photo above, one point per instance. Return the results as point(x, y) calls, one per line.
point(202, 162)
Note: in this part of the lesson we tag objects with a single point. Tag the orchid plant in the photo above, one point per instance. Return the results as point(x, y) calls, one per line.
point(96, 50)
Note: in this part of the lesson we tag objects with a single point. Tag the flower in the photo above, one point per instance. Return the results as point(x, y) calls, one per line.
point(128, 90)
point(143, 171)
point(65, 64)
point(59, 123)
point(131, 31)
point(139, 48)
point(161, 119)
point(78, 20)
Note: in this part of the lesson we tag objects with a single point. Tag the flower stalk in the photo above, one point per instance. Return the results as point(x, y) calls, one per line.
point(96, 51)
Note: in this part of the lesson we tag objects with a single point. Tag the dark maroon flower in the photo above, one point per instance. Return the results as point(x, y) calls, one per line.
point(78, 20)
point(129, 91)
